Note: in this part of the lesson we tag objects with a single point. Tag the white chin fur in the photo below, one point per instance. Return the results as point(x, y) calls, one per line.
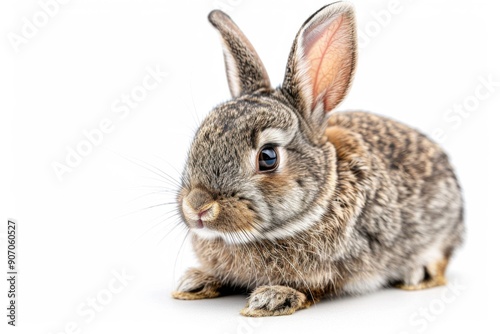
point(206, 233)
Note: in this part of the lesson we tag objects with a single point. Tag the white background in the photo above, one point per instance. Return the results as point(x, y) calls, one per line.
point(102, 216)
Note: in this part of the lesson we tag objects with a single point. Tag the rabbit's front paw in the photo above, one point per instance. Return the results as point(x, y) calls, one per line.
point(274, 300)
point(195, 284)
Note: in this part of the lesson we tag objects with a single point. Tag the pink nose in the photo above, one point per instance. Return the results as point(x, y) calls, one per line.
point(209, 211)
point(203, 212)
point(200, 206)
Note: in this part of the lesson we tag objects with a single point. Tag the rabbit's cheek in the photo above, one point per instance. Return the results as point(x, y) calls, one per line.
point(283, 194)
point(234, 216)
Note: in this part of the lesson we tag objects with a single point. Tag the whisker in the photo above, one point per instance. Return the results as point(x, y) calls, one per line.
point(153, 169)
point(179, 251)
point(170, 230)
point(143, 209)
point(151, 193)
point(170, 216)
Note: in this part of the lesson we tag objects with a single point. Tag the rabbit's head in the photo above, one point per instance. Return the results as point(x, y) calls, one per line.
point(259, 166)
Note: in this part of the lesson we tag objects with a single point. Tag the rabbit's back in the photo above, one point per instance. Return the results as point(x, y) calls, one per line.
point(418, 176)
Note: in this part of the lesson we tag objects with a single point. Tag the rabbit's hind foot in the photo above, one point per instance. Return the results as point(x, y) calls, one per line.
point(430, 276)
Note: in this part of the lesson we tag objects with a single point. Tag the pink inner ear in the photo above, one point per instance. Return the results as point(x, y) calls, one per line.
point(328, 51)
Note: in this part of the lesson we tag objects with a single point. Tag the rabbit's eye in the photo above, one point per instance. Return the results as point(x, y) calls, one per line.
point(268, 159)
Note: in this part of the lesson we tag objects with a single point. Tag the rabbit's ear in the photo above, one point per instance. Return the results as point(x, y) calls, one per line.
point(322, 61)
point(244, 69)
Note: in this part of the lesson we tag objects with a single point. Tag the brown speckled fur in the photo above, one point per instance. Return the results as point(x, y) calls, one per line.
point(390, 207)
point(386, 223)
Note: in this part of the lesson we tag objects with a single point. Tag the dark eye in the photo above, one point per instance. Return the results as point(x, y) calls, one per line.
point(268, 159)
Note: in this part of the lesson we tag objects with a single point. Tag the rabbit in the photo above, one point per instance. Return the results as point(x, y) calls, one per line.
point(291, 203)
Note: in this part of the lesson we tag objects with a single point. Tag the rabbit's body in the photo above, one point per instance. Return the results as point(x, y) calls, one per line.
point(292, 202)
point(368, 238)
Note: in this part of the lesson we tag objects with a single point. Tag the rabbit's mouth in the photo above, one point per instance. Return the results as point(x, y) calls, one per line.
point(199, 223)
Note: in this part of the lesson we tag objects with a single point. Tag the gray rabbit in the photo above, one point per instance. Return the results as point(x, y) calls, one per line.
point(293, 203)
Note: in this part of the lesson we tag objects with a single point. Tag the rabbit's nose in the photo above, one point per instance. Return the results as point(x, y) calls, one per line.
point(208, 213)
point(200, 206)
